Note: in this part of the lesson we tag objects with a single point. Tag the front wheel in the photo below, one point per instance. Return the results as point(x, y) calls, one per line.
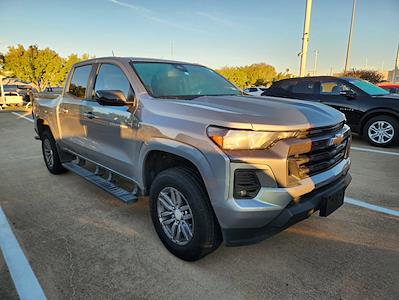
point(182, 214)
point(382, 131)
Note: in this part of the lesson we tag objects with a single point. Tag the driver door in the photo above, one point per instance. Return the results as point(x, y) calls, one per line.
point(330, 94)
point(112, 130)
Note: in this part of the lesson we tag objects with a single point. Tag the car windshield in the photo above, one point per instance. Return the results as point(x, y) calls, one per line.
point(182, 81)
point(368, 87)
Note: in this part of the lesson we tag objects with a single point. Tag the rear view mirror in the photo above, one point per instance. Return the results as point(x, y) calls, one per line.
point(111, 97)
point(348, 94)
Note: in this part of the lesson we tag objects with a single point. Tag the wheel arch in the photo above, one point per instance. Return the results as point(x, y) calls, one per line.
point(376, 112)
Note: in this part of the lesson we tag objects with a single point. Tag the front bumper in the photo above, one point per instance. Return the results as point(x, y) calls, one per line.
point(249, 221)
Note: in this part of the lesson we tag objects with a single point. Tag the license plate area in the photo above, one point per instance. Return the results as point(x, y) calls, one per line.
point(331, 202)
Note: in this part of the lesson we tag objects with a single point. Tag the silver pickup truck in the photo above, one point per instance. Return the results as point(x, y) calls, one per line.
point(217, 165)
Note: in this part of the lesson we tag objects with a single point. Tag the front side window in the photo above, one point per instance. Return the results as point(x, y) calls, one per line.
point(112, 78)
point(182, 81)
point(79, 81)
point(333, 88)
point(368, 87)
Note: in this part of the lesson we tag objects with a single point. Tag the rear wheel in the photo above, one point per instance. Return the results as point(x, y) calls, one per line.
point(182, 215)
point(382, 131)
point(50, 154)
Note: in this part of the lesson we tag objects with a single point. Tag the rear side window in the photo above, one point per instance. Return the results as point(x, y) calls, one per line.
point(304, 87)
point(79, 81)
point(111, 77)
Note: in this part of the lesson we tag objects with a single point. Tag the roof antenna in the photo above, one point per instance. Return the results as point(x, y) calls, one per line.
point(113, 53)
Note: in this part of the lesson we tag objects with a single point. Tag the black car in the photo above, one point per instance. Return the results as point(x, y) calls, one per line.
point(370, 110)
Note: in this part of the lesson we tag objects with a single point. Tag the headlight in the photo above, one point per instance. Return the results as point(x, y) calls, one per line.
point(232, 139)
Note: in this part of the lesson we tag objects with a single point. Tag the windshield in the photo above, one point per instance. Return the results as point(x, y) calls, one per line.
point(182, 81)
point(368, 87)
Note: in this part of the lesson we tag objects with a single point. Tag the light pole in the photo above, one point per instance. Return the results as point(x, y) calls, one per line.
point(316, 54)
point(305, 38)
point(395, 70)
point(348, 49)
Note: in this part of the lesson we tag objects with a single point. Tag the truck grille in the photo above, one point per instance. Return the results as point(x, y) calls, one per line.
point(327, 148)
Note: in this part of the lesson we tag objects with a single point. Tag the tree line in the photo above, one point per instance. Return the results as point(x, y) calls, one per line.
point(40, 67)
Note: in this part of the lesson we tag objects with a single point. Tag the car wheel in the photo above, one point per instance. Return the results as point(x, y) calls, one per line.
point(50, 154)
point(382, 131)
point(182, 214)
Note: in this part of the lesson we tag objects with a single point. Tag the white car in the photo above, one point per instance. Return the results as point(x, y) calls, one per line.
point(255, 91)
point(12, 98)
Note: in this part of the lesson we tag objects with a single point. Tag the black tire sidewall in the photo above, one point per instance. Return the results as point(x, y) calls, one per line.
point(204, 237)
point(384, 118)
point(57, 167)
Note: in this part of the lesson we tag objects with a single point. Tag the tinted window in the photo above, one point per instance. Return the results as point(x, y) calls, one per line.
point(332, 88)
point(112, 77)
point(304, 87)
point(79, 81)
point(253, 90)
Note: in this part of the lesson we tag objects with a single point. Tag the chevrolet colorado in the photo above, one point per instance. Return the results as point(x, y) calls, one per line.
point(216, 164)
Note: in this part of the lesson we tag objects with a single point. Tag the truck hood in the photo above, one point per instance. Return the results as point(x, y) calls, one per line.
point(257, 113)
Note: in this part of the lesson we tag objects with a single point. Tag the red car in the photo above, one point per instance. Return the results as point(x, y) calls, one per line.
point(393, 88)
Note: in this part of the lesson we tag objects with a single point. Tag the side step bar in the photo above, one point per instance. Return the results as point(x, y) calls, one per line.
point(106, 185)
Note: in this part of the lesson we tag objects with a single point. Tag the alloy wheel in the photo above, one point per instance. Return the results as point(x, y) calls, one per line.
point(175, 216)
point(381, 132)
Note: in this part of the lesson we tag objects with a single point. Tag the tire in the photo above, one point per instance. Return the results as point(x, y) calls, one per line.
point(50, 154)
point(205, 231)
point(387, 126)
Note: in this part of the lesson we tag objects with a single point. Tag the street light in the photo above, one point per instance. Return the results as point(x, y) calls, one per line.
point(348, 49)
point(305, 38)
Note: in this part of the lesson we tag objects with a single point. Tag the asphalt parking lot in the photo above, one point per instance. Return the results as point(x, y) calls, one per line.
point(84, 244)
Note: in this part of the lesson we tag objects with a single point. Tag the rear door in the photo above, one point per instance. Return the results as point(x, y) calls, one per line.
point(72, 132)
point(112, 130)
point(306, 89)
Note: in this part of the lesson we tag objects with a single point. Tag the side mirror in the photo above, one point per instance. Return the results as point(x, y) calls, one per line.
point(111, 98)
point(348, 94)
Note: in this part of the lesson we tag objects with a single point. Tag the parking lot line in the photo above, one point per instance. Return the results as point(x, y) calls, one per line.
point(25, 281)
point(375, 151)
point(22, 116)
point(377, 208)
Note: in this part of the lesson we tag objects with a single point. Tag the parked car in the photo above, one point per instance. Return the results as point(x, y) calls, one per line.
point(255, 91)
point(12, 98)
point(370, 110)
point(390, 87)
point(216, 164)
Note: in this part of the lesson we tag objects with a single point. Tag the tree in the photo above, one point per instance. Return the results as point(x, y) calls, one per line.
point(369, 75)
point(253, 75)
point(39, 67)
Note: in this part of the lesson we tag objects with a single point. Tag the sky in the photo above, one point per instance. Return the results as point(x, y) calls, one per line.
point(211, 32)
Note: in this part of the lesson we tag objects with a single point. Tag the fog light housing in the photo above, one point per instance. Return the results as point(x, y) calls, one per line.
point(246, 184)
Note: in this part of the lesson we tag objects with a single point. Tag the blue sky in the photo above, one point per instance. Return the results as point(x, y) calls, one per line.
point(214, 33)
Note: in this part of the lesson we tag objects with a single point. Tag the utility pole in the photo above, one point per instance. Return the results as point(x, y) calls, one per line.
point(316, 54)
point(305, 38)
point(349, 48)
point(395, 70)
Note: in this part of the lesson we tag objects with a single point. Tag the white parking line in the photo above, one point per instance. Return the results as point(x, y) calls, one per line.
point(25, 281)
point(22, 116)
point(375, 151)
point(377, 208)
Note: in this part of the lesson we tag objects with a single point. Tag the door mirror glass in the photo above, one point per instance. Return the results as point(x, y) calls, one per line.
point(349, 94)
point(111, 97)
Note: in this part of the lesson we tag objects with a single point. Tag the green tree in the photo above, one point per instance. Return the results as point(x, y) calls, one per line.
point(39, 67)
point(369, 75)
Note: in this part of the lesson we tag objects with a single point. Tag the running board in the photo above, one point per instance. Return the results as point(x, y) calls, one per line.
point(106, 185)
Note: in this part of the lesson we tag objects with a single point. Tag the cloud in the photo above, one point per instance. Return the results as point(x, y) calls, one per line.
point(216, 18)
point(152, 16)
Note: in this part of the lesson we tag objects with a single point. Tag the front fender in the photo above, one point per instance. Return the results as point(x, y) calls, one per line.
point(195, 156)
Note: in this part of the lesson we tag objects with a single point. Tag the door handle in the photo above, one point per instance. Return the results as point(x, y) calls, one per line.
point(89, 115)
